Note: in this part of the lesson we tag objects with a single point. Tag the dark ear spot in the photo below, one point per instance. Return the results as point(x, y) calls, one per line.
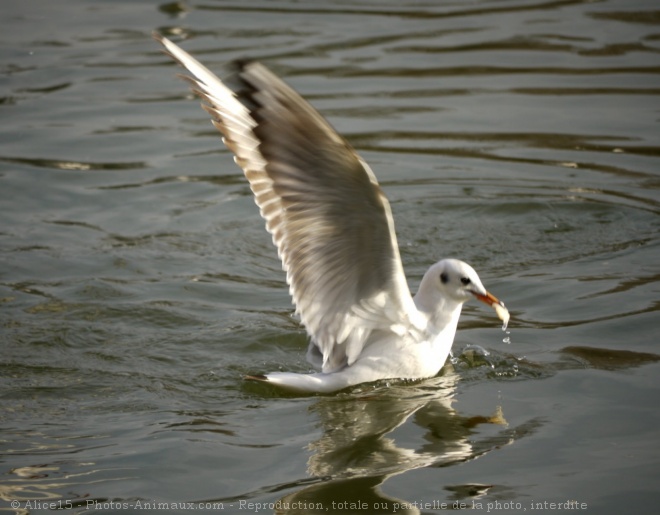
point(465, 280)
point(444, 278)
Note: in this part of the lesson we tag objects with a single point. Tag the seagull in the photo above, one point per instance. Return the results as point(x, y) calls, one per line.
point(334, 232)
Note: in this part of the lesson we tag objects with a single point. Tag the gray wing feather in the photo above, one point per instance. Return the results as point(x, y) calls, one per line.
point(329, 219)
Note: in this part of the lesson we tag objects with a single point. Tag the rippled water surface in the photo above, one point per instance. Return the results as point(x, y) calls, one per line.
point(138, 286)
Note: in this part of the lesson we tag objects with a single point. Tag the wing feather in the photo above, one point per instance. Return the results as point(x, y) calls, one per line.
point(328, 216)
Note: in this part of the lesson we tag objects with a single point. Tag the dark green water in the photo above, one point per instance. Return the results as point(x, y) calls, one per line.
point(137, 284)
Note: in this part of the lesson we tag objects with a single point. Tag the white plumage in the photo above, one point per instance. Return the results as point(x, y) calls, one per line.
point(334, 233)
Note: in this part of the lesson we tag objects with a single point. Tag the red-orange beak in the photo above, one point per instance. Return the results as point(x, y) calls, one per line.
point(488, 298)
point(496, 304)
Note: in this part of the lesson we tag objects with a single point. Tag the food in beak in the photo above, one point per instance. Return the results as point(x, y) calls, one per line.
point(497, 305)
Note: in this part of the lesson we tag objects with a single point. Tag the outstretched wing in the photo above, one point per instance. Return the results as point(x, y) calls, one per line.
point(329, 219)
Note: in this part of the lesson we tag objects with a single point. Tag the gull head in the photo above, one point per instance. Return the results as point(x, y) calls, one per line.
point(456, 281)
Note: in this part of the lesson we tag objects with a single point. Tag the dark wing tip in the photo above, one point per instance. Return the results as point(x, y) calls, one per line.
point(241, 63)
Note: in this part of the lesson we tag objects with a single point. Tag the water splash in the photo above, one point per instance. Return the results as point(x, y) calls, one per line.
point(475, 356)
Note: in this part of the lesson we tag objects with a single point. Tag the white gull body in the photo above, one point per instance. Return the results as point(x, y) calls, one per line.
point(334, 233)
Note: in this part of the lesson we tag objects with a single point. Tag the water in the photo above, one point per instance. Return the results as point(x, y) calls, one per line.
point(137, 284)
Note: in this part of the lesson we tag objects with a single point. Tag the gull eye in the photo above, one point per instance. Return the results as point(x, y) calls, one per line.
point(444, 277)
point(465, 280)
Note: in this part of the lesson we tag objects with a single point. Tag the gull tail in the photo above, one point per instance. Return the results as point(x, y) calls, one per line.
point(302, 383)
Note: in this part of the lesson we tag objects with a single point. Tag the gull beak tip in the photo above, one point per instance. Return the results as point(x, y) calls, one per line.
point(497, 305)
